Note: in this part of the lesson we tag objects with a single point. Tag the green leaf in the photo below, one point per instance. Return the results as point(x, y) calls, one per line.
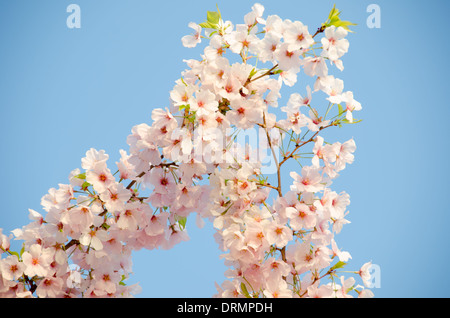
point(81, 176)
point(15, 253)
point(22, 249)
point(85, 185)
point(332, 12)
point(191, 117)
point(244, 290)
point(185, 107)
point(181, 221)
point(121, 282)
point(338, 265)
point(334, 19)
point(213, 17)
point(218, 11)
point(212, 20)
point(355, 121)
point(344, 24)
point(207, 25)
point(105, 226)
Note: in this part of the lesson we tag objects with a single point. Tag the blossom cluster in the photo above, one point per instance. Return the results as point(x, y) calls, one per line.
point(189, 161)
point(83, 245)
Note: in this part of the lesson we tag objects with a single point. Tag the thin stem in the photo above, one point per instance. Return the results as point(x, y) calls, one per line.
point(268, 185)
point(134, 181)
point(330, 105)
point(274, 157)
point(5, 251)
point(71, 243)
point(283, 254)
point(291, 155)
point(269, 72)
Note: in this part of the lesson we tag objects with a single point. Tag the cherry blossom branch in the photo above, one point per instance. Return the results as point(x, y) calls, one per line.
point(96, 214)
point(298, 146)
point(270, 71)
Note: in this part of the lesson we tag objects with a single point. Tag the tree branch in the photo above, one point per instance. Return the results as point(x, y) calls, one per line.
point(291, 155)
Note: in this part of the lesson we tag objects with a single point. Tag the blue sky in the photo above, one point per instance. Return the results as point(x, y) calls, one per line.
point(63, 91)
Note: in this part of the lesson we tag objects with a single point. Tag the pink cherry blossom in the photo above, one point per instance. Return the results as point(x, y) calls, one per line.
point(193, 39)
point(126, 169)
point(351, 105)
point(240, 40)
point(93, 158)
point(301, 217)
point(297, 36)
point(334, 43)
point(322, 291)
point(11, 268)
point(4, 241)
point(100, 177)
point(315, 66)
point(310, 180)
point(93, 238)
point(268, 46)
point(157, 224)
point(288, 57)
point(276, 288)
point(115, 197)
point(36, 260)
point(50, 287)
point(278, 234)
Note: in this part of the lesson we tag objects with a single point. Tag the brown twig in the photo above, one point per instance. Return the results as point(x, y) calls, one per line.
point(319, 30)
point(269, 72)
point(291, 155)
